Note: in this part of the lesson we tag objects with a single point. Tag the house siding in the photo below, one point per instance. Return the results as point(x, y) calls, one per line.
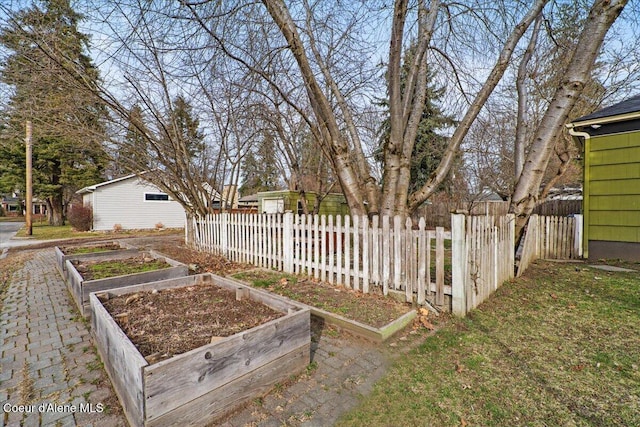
point(331, 204)
point(124, 203)
point(612, 180)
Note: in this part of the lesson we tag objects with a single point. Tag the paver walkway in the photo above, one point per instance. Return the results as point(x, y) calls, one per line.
point(47, 357)
point(47, 361)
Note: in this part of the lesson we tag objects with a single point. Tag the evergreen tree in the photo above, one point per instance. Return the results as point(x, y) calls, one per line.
point(68, 128)
point(132, 156)
point(185, 127)
point(259, 171)
point(429, 144)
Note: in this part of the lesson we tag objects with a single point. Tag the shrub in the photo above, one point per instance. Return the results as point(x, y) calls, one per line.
point(80, 217)
point(117, 228)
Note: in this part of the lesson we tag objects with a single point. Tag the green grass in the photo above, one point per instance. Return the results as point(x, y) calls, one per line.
point(102, 270)
point(557, 347)
point(44, 231)
point(263, 278)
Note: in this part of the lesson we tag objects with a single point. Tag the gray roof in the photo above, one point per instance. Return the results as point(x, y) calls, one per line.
point(630, 105)
point(249, 198)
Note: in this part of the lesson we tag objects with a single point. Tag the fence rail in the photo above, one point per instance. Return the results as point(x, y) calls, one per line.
point(483, 258)
point(352, 251)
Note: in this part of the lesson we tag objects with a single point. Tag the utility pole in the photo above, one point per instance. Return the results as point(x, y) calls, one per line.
point(29, 201)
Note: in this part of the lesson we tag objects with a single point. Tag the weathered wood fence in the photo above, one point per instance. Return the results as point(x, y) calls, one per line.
point(352, 251)
point(483, 258)
point(383, 253)
point(551, 237)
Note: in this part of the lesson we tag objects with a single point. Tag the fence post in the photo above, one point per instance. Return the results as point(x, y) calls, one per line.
point(511, 221)
point(458, 265)
point(578, 236)
point(287, 242)
point(224, 234)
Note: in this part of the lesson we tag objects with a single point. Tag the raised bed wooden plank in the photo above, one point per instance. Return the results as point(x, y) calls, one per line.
point(80, 288)
point(262, 360)
point(369, 332)
point(176, 381)
point(125, 250)
point(217, 403)
point(122, 362)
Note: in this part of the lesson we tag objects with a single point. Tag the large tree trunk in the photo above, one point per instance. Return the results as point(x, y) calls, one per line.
point(525, 195)
point(333, 140)
point(522, 120)
point(56, 210)
point(417, 198)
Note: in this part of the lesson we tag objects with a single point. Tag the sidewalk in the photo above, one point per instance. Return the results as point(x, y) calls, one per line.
point(47, 357)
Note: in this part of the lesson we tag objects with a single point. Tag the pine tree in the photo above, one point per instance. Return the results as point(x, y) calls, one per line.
point(259, 171)
point(429, 144)
point(68, 122)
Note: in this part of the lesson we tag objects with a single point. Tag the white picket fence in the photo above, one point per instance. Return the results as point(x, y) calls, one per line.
point(382, 253)
point(351, 251)
point(551, 237)
point(483, 258)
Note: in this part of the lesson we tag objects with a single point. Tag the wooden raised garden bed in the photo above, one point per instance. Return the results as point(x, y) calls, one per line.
point(372, 327)
point(80, 287)
point(205, 383)
point(94, 251)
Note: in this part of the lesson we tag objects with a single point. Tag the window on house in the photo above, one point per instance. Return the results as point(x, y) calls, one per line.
point(156, 197)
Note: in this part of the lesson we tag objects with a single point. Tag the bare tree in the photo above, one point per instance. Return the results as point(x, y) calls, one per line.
point(153, 66)
point(331, 96)
point(324, 62)
point(602, 15)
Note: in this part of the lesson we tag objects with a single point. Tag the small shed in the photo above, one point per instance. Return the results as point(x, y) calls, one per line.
point(133, 203)
point(611, 199)
point(290, 201)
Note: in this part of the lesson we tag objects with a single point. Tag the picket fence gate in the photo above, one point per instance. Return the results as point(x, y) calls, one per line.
point(385, 254)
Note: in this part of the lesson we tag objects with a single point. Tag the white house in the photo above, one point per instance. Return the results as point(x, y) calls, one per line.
point(133, 203)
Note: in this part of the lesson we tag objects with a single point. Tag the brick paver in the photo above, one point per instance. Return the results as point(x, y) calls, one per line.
point(47, 361)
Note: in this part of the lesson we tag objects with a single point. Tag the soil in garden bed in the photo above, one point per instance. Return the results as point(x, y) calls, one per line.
point(373, 309)
point(199, 262)
point(173, 321)
point(93, 270)
point(77, 250)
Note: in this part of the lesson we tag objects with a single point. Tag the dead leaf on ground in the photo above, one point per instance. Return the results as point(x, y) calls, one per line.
point(459, 367)
point(132, 298)
point(426, 323)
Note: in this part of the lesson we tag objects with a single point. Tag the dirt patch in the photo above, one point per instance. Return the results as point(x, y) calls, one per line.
point(94, 270)
point(373, 309)
point(173, 321)
point(198, 262)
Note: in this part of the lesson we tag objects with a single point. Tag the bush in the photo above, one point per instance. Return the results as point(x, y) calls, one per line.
point(80, 217)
